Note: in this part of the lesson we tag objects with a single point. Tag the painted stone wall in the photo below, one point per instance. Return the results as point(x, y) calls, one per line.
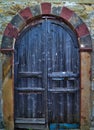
point(85, 9)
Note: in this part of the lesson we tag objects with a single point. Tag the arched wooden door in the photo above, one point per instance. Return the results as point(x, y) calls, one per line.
point(46, 76)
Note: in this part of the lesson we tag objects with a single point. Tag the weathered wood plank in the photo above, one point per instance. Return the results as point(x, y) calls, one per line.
point(85, 90)
point(62, 74)
point(63, 90)
point(29, 89)
point(30, 74)
point(30, 120)
point(8, 104)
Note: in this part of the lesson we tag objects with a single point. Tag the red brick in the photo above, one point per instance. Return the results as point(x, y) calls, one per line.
point(46, 8)
point(11, 31)
point(66, 13)
point(82, 30)
point(26, 13)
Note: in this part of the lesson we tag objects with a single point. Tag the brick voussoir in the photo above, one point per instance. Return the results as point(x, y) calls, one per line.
point(82, 30)
point(26, 13)
point(11, 31)
point(46, 8)
point(66, 13)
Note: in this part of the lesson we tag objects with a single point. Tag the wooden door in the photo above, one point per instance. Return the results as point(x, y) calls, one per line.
point(46, 73)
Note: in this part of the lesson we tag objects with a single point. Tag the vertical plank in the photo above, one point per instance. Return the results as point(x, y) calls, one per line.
point(39, 105)
point(22, 80)
point(54, 83)
point(49, 58)
point(16, 62)
point(76, 82)
point(34, 68)
point(8, 96)
point(68, 69)
point(85, 90)
point(45, 82)
point(60, 42)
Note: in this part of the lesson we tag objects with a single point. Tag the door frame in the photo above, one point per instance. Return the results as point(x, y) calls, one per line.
point(23, 19)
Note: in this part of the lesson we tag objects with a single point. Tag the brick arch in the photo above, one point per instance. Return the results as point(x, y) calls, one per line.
point(20, 20)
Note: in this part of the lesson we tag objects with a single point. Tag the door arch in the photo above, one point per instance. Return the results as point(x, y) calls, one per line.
point(47, 76)
point(25, 18)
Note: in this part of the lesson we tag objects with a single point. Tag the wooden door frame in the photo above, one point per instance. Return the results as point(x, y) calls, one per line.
point(21, 21)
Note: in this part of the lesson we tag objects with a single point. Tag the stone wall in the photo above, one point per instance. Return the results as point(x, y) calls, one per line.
point(85, 9)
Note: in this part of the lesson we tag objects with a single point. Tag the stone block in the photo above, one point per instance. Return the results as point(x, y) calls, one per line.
point(7, 42)
point(75, 20)
point(35, 10)
point(56, 10)
point(88, 8)
point(26, 13)
point(46, 8)
point(86, 41)
point(18, 22)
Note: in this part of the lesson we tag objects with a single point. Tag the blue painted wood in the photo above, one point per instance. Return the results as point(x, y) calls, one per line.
point(63, 126)
point(47, 57)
